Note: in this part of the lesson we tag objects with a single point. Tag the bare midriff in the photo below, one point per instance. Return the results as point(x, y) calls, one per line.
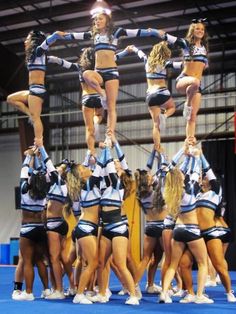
point(87, 90)
point(31, 216)
point(90, 214)
point(156, 83)
point(105, 59)
point(194, 69)
point(54, 209)
point(36, 77)
point(205, 217)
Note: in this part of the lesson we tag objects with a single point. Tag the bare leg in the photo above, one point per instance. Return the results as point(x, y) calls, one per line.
point(199, 251)
point(35, 108)
point(54, 242)
point(112, 93)
point(88, 114)
point(191, 124)
point(216, 254)
point(148, 249)
point(67, 263)
point(169, 107)
point(152, 266)
point(27, 251)
point(177, 249)
point(105, 249)
point(20, 101)
point(166, 238)
point(120, 257)
point(155, 112)
point(94, 80)
point(186, 263)
point(19, 273)
point(188, 85)
point(88, 246)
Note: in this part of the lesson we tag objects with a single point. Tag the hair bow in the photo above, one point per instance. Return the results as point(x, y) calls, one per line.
point(199, 20)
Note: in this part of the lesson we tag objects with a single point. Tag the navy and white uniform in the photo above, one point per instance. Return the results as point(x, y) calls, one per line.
point(104, 42)
point(34, 231)
point(112, 196)
point(57, 192)
point(189, 232)
point(210, 200)
point(88, 100)
point(90, 196)
point(160, 95)
point(38, 62)
point(190, 52)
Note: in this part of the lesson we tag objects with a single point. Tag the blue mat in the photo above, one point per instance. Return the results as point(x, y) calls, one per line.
point(148, 304)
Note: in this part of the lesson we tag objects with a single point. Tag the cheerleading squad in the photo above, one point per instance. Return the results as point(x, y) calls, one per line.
point(181, 199)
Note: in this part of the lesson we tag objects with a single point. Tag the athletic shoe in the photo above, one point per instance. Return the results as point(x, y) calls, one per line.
point(15, 293)
point(165, 298)
point(230, 296)
point(90, 294)
point(179, 293)
point(108, 293)
point(123, 291)
point(153, 289)
point(70, 292)
point(187, 111)
point(81, 299)
point(96, 289)
point(210, 283)
point(218, 280)
point(138, 292)
point(189, 298)
point(132, 301)
point(162, 122)
point(203, 299)
point(55, 295)
point(99, 298)
point(45, 293)
point(24, 296)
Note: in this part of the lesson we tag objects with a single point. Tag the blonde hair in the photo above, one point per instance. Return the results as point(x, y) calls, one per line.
point(173, 191)
point(74, 183)
point(191, 39)
point(158, 56)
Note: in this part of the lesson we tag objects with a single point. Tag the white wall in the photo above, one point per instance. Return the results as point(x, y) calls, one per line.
point(10, 166)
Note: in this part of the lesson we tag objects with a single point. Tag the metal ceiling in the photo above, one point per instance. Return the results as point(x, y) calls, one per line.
point(18, 17)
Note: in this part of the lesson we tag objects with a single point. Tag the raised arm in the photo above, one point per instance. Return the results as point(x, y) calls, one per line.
point(110, 169)
point(215, 185)
point(24, 175)
point(150, 160)
point(97, 175)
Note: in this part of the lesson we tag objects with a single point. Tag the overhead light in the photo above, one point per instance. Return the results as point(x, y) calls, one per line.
point(100, 7)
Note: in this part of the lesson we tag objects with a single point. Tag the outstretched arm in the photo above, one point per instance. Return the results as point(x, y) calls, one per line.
point(50, 40)
point(150, 32)
point(63, 63)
